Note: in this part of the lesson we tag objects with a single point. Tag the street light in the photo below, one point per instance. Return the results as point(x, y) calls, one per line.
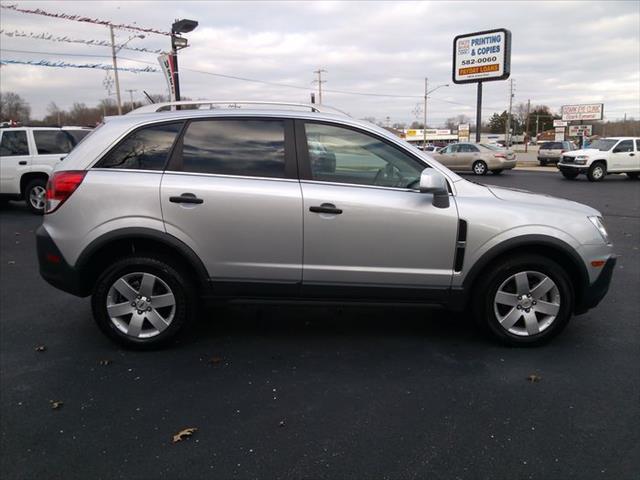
point(426, 93)
point(178, 43)
point(115, 63)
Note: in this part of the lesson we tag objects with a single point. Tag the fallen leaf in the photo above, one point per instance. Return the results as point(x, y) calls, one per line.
point(185, 433)
point(56, 404)
point(534, 378)
point(104, 362)
point(41, 348)
point(215, 360)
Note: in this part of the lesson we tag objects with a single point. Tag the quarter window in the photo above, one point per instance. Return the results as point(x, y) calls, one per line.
point(145, 149)
point(235, 147)
point(50, 142)
point(14, 143)
point(343, 155)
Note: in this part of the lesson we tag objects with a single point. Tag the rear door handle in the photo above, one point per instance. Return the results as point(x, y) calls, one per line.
point(326, 208)
point(22, 162)
point(186, 198)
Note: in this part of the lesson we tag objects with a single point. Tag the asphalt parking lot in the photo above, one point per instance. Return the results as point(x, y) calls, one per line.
point(323, 392)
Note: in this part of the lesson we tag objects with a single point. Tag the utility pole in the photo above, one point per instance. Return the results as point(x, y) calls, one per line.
point(508, 123)
point(526, 133)
point(424, 127)
point(537, 118)
point(115, 69)
point(319, 81)
point(131, 95)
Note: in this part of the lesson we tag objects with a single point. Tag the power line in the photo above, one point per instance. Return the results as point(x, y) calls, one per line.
point(80, 18)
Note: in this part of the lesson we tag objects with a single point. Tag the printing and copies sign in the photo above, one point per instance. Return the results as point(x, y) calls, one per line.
point(482, 56)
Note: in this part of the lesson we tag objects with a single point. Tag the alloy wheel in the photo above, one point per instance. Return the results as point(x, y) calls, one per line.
point(141, 305)
point(527, 303)
point(37, 197)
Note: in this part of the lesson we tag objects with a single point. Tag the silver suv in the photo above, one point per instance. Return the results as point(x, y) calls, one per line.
point(159, 211)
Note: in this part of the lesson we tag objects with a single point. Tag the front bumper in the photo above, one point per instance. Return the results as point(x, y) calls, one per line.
point(572, 168)
point(54, 268)
point(595, 292)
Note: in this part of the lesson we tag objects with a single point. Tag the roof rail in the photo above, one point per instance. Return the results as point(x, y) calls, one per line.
point(214, 104)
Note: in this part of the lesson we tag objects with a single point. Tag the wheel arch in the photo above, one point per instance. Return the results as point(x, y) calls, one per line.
point(28, 177)
point(557, 250)
point(109, 247)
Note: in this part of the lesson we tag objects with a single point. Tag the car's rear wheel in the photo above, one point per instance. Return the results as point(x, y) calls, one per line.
point(143, 301)
point(525, 300)
point(597, 171)
point(35, 195)
point(479, 167)
point(569, 175)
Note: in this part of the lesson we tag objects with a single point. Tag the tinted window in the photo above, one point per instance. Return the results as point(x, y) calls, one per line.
point(77, 135)
point(52, 141)
point(638, 145)
point(466, 148)
point(624, 146)
point(551, 146)
point(145, 149)
point(343, 155)
point(235, 147)
point(14, 143)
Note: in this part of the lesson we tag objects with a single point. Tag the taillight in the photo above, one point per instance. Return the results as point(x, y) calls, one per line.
point(61, 186)
point(500, 155)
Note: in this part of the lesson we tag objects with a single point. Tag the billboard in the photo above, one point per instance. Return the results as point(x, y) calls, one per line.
point(580, 130)
point(589, 111)
point(482, 56)
point(463, 132)
point(559, 134)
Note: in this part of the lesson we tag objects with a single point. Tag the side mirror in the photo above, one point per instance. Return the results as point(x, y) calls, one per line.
point(432, 181)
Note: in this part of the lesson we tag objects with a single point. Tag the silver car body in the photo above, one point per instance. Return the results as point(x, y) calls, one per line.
point(253, 229)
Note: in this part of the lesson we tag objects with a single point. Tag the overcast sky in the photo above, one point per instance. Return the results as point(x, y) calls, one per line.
point(563, 53)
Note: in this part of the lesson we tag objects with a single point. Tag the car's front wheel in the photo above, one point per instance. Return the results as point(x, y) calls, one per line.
point(597, 172)
point(479, 167)
point(35, 195)
point(525, 300)
point(143, 301)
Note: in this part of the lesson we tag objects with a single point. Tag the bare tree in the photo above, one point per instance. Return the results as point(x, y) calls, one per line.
point(14, 107)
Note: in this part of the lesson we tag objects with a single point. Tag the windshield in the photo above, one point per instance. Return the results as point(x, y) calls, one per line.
point(603, 144)
point(491, 147)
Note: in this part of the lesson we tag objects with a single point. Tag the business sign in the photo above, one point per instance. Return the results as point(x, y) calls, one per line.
point(168, 68)
point(482, 56)
point(580, 130)
point(559, 134)
point(463, 132)
point(560, 123)
point(591, 111)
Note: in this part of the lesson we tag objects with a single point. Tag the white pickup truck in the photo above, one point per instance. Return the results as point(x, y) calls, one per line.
point(604, 156)
point(27, 158)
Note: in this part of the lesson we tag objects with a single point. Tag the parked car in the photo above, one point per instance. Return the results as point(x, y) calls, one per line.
point(551, 152)
point(28, 156)
point(159, 211)
point(478, 158)
point(604, 156)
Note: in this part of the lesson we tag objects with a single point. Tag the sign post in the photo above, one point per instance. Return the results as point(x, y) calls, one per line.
point(481, 57)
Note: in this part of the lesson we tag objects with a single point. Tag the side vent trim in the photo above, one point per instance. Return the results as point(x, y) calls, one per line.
point(461, 244)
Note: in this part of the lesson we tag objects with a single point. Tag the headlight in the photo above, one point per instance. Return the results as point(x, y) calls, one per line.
point(599, 224)
point(581, 159)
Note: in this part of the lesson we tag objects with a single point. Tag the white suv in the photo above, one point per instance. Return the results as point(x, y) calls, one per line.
point(607, 155)
point(159, 211)
point(28, 155)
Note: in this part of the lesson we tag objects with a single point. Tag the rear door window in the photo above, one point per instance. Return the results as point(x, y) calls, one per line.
point(145, 149)
point(14, 143)
point(49, 142)
point(254, 148)
point(624, 146)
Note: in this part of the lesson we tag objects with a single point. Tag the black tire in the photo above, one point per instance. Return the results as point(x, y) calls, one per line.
point(497, 172)
point(179, 283)
point(35, 188)
point(479, 167)
point(492, 279)
point(633, 175)
point(543, 163)
point(597, 172)
point(569, 175)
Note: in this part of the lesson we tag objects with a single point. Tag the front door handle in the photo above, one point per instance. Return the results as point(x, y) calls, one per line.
point(326, 208)
point(186, 198)
point(632, 154)
point(22, 162)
